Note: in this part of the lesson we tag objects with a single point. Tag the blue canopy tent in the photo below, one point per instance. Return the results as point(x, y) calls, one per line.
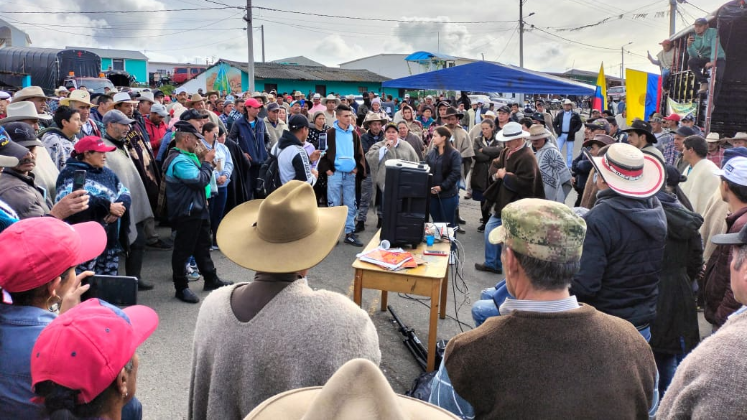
point(484, 76)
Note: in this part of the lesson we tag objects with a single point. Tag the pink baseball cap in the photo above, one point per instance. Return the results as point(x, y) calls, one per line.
point(92, 144)
point(85, 348)
point(37, 250)
point(253, 103)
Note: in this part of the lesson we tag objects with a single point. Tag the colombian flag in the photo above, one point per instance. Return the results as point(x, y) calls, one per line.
point(643, 91)
point(600, 96)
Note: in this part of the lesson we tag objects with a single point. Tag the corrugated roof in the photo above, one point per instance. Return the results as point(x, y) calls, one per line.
point(109, 53)
point(293, 72)
point(299, 61)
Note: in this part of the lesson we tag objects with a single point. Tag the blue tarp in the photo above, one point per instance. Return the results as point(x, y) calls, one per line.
point(484, 76)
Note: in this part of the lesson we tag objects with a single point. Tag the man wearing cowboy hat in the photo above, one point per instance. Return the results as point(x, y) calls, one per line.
point(261, 97)
point(330, 102)
point(461, 142)
point(198, 102)
point(145, 102)
point(641, 137)
point(187, 177)
point(81, 101)
point(566, 125)
point(624, 244)
point(715, 151)
point(589, 188)
point(701, 181)
point(518, 176)
point(739, 139)
point(4, 101)
point(499, 369)
point(35, 95)
point(281, 238)
point(555, 175)
point(373, 123)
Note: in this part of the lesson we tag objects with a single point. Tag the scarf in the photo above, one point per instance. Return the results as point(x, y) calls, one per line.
point(193, 157)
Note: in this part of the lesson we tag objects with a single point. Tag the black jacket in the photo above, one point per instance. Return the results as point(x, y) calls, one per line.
point(368, 140)
point(580, 168)
point(575, 125)
point(302, 172)
point(622, 257)
point(446, 170)
point(186, 198)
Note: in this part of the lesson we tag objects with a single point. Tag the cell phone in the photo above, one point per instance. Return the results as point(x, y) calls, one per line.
point(323, 141)
point(117, 290)
point(79, 179)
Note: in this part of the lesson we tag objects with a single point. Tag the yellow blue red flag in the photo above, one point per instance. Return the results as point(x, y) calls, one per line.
point(600, 96)
point(642, 91)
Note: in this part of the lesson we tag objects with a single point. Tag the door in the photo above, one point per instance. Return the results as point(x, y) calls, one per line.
point(321, 89)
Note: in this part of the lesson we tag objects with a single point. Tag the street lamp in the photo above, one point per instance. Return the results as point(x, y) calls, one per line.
point(521, 32)
point(622, 61)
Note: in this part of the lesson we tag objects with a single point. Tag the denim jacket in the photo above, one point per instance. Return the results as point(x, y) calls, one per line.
point(19, 328)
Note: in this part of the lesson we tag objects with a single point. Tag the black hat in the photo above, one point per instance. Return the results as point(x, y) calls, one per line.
point(185, 127)
point(685, 131)
point(505, 109)
point(192, 114)
point(158, 93)
point(538, 116)
point(642, 127)
point(739, 238)
point(273, 106)
point(10, 148)
point(297, 122)
point(674, 177)
point(443, 103)
point(22, 134)
point(451, 111)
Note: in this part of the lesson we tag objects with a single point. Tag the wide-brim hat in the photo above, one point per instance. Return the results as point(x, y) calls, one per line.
point(78, 96)
point(28, 93)
point(642, 127)
point(195, 98)
point(21, 111)
point(331, 98)
point(357, 390)
point(599, 139)
point(371, 117)
point(123, 98)
point(537, 131)
point(284, 233)
point(739, 136)
point(567, 102)
point(630, 172)
point(146, 96)
point(511, 131)
point(712, 137)
point(451, 111)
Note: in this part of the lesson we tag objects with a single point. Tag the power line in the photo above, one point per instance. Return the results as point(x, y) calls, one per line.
point(704, 11)
point(572, 41)
point(507, 43)
point(269, 9)
point(85, 12)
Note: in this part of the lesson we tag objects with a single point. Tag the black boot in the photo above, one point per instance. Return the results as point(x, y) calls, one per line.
point(378, 223)
point(214, 282)
point(360, 226)
point(186, 295)
point(459, 219)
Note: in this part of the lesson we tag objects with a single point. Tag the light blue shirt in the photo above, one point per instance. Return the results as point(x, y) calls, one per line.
point(566, 122)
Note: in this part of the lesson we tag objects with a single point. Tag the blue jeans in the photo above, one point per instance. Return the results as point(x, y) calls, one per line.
point(667, 364)
point(443, 210)
point(564, 140)
point(487, 306)
point(646, 333)
point(492, 252)
point(341, 190)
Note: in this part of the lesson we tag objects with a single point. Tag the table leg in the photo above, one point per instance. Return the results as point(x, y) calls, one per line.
point(433, 329)
point(444, 294)
point(358, 287)
point(384, 297)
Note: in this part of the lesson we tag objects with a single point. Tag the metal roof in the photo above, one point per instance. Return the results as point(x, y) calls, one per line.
point(109, 53)
point(298, 61)
point(293, 72)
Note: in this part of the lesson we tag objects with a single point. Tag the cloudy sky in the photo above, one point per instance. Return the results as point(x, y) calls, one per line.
point(475, 29)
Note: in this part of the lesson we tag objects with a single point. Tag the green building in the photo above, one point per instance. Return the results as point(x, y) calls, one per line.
point(133, 62)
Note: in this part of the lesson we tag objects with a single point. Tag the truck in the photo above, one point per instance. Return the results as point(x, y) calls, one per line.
point(49, 68)
point(721, 109)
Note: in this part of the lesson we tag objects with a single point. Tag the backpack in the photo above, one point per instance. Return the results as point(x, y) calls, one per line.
point(269, 176)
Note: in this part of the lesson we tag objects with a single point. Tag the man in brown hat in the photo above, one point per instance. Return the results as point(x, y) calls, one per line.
point(461, 142)
point(81, 101)
point(36, 96)
point(641, 136)
point(281, 238)
point(198, 102)
point(739, 139)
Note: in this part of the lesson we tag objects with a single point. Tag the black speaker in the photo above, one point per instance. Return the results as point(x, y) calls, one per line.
point(406, 201)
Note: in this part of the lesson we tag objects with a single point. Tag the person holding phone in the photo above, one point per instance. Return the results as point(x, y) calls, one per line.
point(705, 53)
point(108, 201)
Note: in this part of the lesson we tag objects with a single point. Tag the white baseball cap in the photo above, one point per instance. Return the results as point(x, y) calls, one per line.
point(181, 90)
point(317, 96)
point(735, 170)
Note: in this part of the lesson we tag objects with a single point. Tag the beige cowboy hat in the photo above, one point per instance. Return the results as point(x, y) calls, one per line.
point(21, 111)
point(146, 96)
point(123, 98)
point(330, 98)
point(284, 233)
point(371, 117)
point(28, 93)
point(712, 137)
point(739, 136)
point(358, 390)
point(195, 98)
point(79, 96)
point(568, 102)
point(630, 172)
point(537, 131)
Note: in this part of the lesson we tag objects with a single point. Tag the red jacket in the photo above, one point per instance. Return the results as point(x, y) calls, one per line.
point(717, 294)
point(155, 133)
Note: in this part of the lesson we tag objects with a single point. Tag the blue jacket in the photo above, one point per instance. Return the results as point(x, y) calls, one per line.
point(19, 328)
point(251, 140)
point(622, 257)
point(185, 186)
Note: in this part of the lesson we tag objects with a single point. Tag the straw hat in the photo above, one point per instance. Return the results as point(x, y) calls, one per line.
point(79, 96)
point(21, 111)
point(123, 98)
point(630, 172)
point(511, 131)
point(357, 390)
point(739, 136)
point(712, 137)
point(371, 117)
point(284, 233)
point(537, 131)
point(330, 98)
point(195, 98)
point(28, 93)
point(146, 96)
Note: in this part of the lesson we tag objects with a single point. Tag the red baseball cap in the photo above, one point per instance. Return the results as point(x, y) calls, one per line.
point(92, 144)
point(85, 348)
point(37, 250)
point(253, 103)
point(672, 117)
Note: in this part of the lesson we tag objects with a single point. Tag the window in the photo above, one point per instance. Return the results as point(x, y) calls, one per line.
point(269, 87)
point(118, 64)
point(180, 70)
point(195, 71)
point(362, 89)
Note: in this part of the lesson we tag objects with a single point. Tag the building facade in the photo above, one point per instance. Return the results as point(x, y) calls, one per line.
point(133, 62)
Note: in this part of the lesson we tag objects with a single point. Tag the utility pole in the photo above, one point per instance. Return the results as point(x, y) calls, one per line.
point(250, 41)
point(672, 16)
point(622, 59)
point(263, 42)
point(521, 33)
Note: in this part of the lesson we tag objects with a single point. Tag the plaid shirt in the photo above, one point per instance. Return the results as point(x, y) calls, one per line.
point(717, 157)
point(670, 154)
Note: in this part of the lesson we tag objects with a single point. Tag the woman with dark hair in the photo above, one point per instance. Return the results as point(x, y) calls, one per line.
point(221, 172)
point(108, 202)
point(445, 164)
point(363, 109)
point(317, 126)
point(486, 148)
point(413, 125)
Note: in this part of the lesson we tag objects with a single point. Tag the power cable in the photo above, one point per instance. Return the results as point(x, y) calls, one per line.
point(516, 29)
point(84, 12)
point(269, 9)
point(691, 4)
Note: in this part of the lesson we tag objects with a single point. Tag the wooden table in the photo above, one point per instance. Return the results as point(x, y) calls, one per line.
point(429, 279)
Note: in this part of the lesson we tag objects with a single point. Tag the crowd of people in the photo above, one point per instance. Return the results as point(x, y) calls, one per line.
point(614, 282)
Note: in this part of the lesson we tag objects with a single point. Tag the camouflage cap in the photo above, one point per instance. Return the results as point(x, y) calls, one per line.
point(541, 229)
